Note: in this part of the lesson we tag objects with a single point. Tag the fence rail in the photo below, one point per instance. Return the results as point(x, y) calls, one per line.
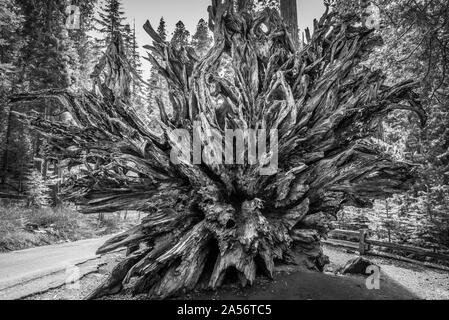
point(11, 196)
point(364, 244)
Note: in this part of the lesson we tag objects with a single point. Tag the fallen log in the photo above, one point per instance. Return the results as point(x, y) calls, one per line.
point(211, 221)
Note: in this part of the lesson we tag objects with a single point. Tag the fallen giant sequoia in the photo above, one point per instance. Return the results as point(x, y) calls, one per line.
point(211, 222)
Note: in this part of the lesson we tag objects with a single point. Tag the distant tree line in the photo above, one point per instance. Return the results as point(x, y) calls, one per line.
point(38, 52)
point(415, 45)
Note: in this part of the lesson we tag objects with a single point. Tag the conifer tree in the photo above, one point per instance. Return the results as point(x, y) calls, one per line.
point(38, 51)
point(136, 65)
point(180, 36)
point(135, 55)
point(47, 59)
point(157, 86)
point(10, 43)
point(162, 29)
point(110, 21)
point(84, 43)
point(128, 40)
point(201, 40)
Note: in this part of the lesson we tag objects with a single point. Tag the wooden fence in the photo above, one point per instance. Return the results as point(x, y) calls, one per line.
point(360, 241)
point(11, 196)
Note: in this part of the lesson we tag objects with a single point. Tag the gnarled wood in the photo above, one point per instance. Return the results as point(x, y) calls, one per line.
point(207, 221)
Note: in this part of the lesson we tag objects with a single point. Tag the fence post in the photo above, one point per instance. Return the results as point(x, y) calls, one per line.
point(362, 244)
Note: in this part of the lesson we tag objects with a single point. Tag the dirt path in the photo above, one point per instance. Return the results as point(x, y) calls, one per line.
point(399, 281)
point(22, 272)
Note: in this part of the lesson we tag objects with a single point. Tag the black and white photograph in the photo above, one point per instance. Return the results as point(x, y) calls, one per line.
point(237, 153)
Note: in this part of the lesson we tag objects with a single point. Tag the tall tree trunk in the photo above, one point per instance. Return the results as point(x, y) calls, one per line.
point(289, 13)
point(5, 156)
point(387, 212)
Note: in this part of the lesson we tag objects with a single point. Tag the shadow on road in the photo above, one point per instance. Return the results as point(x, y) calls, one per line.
point(312, 286)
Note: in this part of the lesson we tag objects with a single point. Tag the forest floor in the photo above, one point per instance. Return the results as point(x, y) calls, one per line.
point(399, 281)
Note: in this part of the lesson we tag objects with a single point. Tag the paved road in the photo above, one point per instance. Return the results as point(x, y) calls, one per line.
point(23, 266)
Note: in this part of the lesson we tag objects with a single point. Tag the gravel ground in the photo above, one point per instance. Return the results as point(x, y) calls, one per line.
point(425, 283)
point(399, 280)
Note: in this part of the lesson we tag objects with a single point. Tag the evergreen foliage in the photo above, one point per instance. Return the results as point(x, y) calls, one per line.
point(202, 40)
point(181, 35)
point(111, 21)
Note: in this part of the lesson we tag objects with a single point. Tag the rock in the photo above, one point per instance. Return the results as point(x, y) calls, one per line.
point(305, 236)
point(310, 256)
point(315, 221)
point(356, 266)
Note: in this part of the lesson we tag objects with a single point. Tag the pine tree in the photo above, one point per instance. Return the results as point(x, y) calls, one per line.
point(43, 54)
point(405, 55)
point(136, 61)
point(136, 65)
point(180, 36)
point(128, 40)
point(47, 59)
point(201, 40)
point(87, 48)
point(110, 21)
point(162, 29)
point(18, 157)
point(10, 43)
point(157, 85)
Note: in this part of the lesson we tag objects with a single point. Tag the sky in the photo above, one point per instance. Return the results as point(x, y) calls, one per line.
point(190, 12)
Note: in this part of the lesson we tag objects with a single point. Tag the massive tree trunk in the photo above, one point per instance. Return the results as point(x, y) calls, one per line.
point(289, 12)
point(208, 221)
